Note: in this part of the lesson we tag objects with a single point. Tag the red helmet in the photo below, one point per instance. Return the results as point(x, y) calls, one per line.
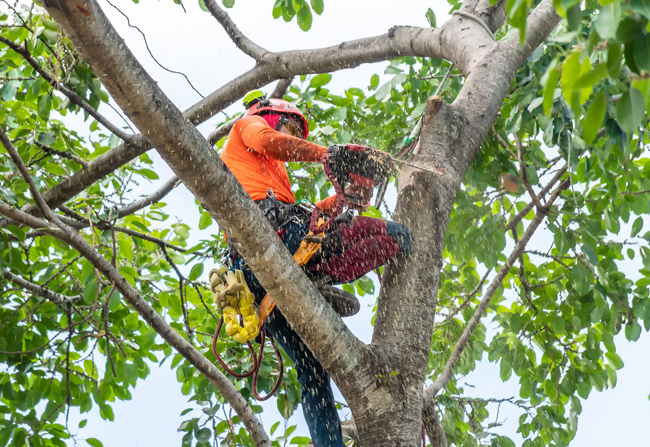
point(278, 106)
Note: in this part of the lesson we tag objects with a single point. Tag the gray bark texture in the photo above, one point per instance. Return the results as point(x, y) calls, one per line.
point(388, 409)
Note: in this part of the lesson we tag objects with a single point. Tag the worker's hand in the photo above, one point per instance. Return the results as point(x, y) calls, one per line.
point(364, 192)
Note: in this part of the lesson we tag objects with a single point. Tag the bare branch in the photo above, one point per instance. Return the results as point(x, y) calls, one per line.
point(150, 199)
point(447, 373)
point(281, 88)
point(222, 131)
point(243, 43)
point(72, 96)
point(78, 222)
point(39, 290)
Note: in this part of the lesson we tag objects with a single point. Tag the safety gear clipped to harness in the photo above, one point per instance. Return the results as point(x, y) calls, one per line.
point(352, 163)
point(234, 300)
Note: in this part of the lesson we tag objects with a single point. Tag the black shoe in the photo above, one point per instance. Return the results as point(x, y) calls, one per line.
point(344, 303)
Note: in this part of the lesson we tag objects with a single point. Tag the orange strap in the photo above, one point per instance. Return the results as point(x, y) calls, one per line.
point(301, 256)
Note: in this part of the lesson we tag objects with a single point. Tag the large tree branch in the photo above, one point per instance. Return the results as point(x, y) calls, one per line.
point(39, 290)
point(202, 171)
point(243, 43)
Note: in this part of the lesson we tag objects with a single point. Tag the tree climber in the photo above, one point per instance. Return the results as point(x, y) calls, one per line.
point(272, 132)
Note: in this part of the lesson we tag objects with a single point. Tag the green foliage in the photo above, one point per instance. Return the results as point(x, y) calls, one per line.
point(580, 100)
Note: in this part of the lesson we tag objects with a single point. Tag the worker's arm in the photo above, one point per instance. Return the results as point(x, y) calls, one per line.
point(257, 135)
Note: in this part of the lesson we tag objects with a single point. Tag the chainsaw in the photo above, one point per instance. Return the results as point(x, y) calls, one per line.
point(361, 165)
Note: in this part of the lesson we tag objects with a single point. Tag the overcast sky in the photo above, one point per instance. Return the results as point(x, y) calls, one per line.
point(195, 44)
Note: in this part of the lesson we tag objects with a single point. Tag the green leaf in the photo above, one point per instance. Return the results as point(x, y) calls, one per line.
point(196, 272)
point(205, 221)
point(90, 292)
point(431, 17)
point(47, 138)
point(574, 16)
point(374, 81)
point(558, 325)
point(628, 52)
point(202, 6)
point(300, 440)
point(304, 17)
point(608, 20)
point(597, 74)
point(94, 442)
point(642, 7)
point(637, 226)
point(54, 169)
point(642, 52)
point(383, 92)
point(593, 121)
point(228, 3)
point(320, 80)
point(630, 110)
point(8, 91)
point(44, 106)
point(148, 173)
point(505, 369)
point(317, 6)
point(614, 59)
point(632, 331)
point(203, 435)
point(581, 279)
point(549, 89)
point(614, 360)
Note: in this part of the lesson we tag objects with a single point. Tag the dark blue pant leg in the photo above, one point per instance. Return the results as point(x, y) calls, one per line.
point(317, 397)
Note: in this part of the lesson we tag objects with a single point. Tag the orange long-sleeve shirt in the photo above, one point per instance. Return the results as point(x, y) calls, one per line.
point(255, 154)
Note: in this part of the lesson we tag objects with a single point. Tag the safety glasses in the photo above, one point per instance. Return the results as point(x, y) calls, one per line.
point(293, 128)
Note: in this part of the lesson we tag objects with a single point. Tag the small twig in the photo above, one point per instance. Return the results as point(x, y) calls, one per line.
point(523, 174)
point(63, 154)
point(39, 290)
point(181, 279)
point(635, 193)
point(107, 330)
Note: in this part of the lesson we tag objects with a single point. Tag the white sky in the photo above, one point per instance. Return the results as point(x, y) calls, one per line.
point(195, 44)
